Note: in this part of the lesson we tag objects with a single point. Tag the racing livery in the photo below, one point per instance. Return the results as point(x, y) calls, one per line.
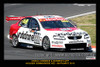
point(48, 31)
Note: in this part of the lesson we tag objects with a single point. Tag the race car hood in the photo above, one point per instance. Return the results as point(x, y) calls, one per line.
point(66, 30)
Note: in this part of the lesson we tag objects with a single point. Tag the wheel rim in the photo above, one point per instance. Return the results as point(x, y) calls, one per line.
point(46, 44)
point(15, 41)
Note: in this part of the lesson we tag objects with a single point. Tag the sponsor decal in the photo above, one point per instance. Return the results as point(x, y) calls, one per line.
point(13, 18)
point(57, 42)
point(57, 45)
point(27, 36)
point(43, 19)
point(78, 41)
point(49, 16)
point(64, 20)
point(63, 29)
point(51, 19)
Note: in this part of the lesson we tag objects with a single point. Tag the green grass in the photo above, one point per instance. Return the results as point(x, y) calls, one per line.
point(88, 24)
point(88, 19)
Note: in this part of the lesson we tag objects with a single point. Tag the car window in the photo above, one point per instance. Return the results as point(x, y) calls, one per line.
point(56, 24)
point(33, 24)
point(24, 22)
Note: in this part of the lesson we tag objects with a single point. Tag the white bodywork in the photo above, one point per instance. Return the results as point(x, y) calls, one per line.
point(35, 38)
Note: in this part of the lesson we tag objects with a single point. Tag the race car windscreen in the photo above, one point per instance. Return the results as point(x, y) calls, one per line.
point(56, 24)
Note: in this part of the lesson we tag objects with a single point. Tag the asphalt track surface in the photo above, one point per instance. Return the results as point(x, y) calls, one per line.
point(64, 10)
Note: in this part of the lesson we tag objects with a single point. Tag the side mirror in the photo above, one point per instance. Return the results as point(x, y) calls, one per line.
point(33, 29)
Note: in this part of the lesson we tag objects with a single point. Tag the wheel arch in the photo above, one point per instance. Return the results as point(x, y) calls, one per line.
point(44, 37)
point(14, 33)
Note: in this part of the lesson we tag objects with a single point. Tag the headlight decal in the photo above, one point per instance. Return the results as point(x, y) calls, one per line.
point(86, 36)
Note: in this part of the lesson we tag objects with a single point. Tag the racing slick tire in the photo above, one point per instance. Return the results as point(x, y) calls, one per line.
point(46, 43)
point(15, 42)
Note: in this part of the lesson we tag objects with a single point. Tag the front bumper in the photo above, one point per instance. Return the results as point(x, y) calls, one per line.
point(71, 46)
point(78, 46)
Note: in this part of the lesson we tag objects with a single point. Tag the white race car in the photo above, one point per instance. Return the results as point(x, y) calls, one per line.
point(48, 31)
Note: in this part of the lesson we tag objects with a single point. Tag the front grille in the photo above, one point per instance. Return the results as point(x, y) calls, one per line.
point(76, 45)
point(74, 37)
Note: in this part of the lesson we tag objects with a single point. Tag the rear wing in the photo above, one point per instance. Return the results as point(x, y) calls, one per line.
point(13, 18)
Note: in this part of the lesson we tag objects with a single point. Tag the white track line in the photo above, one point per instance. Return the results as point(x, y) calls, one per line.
point(8, 5)
point(83, 4)
point(81, 14)
point(15, 4)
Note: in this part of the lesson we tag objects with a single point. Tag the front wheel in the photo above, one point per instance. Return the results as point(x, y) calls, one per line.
point(46, 43)
point(15, 42)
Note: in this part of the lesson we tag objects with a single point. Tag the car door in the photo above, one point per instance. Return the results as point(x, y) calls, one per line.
point(23, 33)
point(35, 30)
point(29, 31)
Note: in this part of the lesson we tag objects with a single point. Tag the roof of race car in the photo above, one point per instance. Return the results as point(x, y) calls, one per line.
point(48, 17)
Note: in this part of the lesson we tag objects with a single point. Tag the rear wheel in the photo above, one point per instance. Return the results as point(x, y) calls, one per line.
point(46, 43)
point(15, 42)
